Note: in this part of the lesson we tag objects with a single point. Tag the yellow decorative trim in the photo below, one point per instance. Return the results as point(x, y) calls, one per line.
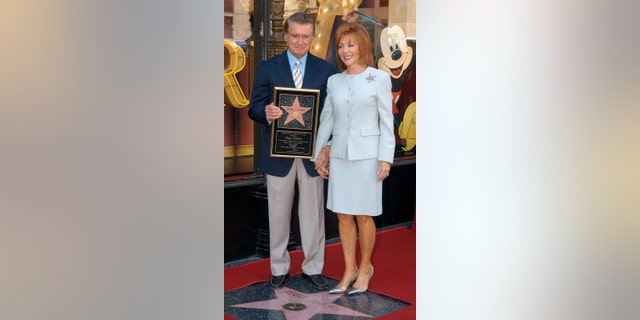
point(244, 150)
point(229, 152)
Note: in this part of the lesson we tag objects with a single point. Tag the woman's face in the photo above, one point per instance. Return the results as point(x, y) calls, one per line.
point(349, 51)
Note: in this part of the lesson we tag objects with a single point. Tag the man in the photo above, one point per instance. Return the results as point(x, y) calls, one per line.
point(282, 173)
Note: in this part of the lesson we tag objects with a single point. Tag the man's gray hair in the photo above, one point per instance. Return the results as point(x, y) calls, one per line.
point(301, 18)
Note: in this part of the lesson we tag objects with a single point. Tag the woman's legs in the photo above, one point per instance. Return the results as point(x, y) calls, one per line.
point(367, 229)
point(348, 237)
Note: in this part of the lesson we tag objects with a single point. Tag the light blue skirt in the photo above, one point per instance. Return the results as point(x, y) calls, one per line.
point(354, 187)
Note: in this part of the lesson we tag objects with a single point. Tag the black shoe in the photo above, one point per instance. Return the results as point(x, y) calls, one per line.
point(316, 280)
point(278, 281)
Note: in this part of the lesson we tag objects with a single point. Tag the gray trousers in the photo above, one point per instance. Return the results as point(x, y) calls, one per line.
point(280, 193)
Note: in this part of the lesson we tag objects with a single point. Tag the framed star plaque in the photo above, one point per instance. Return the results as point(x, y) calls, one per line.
point(294, 134)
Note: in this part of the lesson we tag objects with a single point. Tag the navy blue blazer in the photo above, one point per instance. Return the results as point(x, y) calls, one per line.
point(275, 72)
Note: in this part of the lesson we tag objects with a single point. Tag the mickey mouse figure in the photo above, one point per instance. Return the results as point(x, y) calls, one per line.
point(396, 58)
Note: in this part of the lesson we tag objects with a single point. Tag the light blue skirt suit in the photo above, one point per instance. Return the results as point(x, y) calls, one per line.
point(357, 117)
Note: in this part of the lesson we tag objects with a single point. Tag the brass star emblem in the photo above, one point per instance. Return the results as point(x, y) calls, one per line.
point(295, 112)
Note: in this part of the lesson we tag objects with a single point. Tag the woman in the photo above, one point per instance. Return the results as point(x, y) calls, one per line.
point(357, 115)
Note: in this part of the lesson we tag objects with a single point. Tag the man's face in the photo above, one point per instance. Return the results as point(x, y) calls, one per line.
point(299, 38)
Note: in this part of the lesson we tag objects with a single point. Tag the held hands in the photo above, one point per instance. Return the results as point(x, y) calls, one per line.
point(323, 171)
point(322, 162)
point(383, 170)
point(272, 112)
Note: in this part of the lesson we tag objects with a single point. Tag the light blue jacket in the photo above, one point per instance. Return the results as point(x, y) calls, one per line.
point(357, 115)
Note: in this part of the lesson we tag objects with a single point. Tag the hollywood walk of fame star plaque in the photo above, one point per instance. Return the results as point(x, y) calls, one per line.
point(294, 134)
point(296, 300)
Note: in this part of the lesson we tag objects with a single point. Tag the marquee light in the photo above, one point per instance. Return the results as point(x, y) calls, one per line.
point(327, 11)
point(236, 62)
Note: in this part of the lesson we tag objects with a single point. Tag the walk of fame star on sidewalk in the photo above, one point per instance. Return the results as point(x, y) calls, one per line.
point(298, 301)
point(298, 305)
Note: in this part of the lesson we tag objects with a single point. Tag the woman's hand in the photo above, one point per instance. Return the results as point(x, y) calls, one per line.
point(383, 169)
point(323, 157)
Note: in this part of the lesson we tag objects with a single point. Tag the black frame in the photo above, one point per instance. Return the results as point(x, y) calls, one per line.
point(291, 137)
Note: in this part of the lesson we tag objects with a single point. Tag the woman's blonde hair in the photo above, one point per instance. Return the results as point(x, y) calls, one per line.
point(360, 36)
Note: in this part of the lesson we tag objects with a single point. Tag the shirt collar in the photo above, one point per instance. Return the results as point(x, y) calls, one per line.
point(292, 61)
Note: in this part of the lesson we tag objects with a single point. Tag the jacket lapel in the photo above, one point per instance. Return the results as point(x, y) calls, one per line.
point(284, 71)
point(282, 68)
point(310, 77)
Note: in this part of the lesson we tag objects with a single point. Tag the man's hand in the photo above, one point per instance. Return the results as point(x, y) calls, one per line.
point(323, 171)
point(322, 162)
point(272, 112)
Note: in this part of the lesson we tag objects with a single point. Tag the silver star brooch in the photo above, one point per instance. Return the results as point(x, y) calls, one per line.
point(371, 77)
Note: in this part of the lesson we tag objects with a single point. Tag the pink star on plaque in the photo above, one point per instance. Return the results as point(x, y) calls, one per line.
point(295, 112)
point(298, 305)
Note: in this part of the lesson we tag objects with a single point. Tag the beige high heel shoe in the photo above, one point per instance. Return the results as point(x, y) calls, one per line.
point(354, 290)
point(338, 290)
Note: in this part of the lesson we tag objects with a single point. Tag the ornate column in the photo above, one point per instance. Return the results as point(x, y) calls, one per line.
point(275, 42)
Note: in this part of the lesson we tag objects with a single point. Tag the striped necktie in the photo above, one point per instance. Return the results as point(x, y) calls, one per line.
point(297, 75)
